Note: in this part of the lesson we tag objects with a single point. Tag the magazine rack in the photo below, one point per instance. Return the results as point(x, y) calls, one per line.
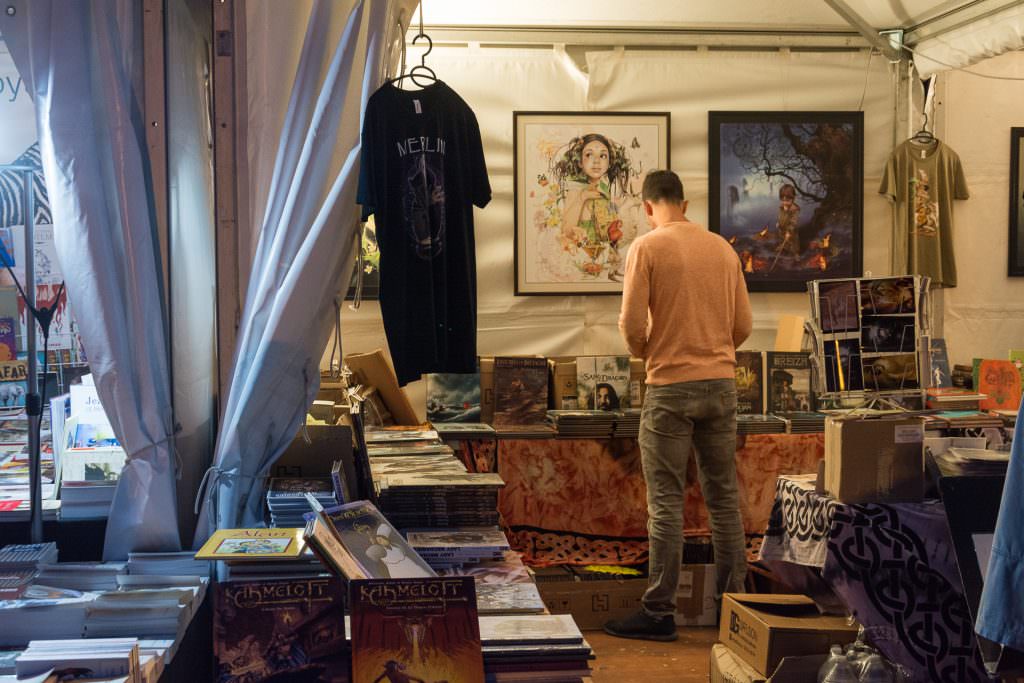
point(870, 342)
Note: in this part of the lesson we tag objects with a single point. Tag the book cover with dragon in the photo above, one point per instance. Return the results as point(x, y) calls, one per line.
point(416, 630)
point(280, 630)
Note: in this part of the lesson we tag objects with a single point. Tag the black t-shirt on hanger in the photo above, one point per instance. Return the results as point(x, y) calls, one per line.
point(422, 169)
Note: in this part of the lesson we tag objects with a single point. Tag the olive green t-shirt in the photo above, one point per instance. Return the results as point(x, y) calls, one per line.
point(923, 181)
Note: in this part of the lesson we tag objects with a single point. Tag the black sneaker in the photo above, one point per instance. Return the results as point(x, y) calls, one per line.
point(643, 627)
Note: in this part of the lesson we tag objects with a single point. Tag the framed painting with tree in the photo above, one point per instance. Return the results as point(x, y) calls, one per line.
point(787, 191)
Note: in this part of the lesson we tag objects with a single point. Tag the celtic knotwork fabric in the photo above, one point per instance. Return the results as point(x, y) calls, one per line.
point(799, 525)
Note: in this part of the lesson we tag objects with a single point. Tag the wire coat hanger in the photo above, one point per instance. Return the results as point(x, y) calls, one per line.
point(924, 136)
point(420, 70)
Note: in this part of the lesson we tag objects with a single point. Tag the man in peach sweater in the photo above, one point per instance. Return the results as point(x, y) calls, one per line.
point(685, 309)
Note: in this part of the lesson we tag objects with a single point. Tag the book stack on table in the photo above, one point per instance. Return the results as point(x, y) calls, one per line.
point(444, 499)
point(582, 424)
point(286, 499)
point(627, 424)
point(545, 646)
point(760, 424)
point(449, 548)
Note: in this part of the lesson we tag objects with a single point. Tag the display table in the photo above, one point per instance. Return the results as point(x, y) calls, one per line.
point(894, 568)
point(583, 501)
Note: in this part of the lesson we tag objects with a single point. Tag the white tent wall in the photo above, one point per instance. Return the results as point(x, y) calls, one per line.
point(497, 81)
point(984, 315)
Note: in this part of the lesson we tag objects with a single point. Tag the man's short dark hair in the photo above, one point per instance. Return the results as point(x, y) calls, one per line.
point(662, 186)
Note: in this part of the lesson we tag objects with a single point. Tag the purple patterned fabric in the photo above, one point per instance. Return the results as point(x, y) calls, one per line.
point(894, 567)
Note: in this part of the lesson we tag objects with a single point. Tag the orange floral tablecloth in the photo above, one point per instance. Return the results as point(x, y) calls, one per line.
point(583, 501)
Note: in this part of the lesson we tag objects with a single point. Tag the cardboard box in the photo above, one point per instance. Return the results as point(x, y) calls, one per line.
point(327, 443)
point(762, 629)
point(637, 382)
point(789, 335)
point(562, 392)
point(874, 460)
point(695, 597)
point(487, 389)
point(373, 369)
point(592, 603)
point(726, 667)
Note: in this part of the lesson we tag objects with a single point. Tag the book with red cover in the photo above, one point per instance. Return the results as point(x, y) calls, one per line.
point(1000, 381)
point(416, 629)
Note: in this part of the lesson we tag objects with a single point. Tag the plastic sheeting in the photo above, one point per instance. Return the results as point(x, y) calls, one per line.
point(972, 43)
point(497, 81)
point(81, 61)
point(305, 248)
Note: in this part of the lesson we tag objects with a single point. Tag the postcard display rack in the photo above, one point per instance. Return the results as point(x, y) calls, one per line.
point(870, 341)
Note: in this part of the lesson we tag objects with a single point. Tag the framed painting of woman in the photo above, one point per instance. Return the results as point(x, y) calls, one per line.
point(578, 210)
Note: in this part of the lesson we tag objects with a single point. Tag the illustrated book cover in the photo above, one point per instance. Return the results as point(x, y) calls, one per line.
point(602, 382)
point(252, 544)
point(1000, 381)
point(838, 306)
point(8, 345)
point(453, 397)
point(376, 547)
point(280, 630)
point(749, 382)
point(940, 378)
point(520, 390)
point(789, 382)
point(416, 630)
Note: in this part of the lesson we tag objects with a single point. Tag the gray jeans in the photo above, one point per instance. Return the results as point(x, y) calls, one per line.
point(676, 418)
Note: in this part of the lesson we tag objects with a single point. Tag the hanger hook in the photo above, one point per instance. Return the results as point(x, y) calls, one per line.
point(430, 46)
point(924, 126)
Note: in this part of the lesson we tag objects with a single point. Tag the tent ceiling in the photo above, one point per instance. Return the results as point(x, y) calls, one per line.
point(771, 15)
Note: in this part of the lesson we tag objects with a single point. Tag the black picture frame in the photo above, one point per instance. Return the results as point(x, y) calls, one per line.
point(531, 177)
point(820, 154)
point(1015, 260)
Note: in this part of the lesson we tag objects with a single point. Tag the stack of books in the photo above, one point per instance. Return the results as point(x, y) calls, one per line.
point(627, 424)
point(975, 462)
point(509, 569)
point(182, 563)
point(95, 658)
point(19, 565)
point(374, 436)
point(81, 576)
point(415, 464)
point(535, 430)
point(803, 422)
point(509, 598)
point(261, 553)
point(461, 431)
point(962, 419)
point(449, 548)
point(543, 646)
point(953, 398)
point(759, 424)
point(86, 499)
point(439, 500)
point(287, 503)
point(143, 611)
point(583, 424)
point(43, 612)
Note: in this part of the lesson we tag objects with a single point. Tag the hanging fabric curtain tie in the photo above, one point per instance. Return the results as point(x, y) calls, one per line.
point(210, 483)
point(357, 298)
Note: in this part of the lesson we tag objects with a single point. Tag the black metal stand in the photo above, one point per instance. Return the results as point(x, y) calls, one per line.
point(43, 316)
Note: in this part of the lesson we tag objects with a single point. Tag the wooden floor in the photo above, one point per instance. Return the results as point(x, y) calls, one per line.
point(639, 661)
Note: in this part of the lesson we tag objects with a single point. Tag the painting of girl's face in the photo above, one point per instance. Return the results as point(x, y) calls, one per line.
point(595, 160)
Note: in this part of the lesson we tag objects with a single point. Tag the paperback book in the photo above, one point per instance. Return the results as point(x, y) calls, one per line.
point(252, 544)
point(521, 391)
point(940, 374)
point(602, 382)
point(453, 397)
point(280, 630)
point(789, 382)
point(379, 551)
point(749, 382)
point(416, 630)
point(1000, 381)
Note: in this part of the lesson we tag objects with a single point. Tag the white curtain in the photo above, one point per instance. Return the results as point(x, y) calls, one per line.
point(82, 63)
point(305, 250)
